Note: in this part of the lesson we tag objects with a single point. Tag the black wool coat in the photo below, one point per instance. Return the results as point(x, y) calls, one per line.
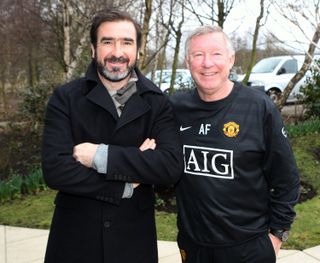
point(91, 221)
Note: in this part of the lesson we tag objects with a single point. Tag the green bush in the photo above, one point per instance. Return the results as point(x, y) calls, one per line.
point(22, 147)
point(18, 185)
point(303, 128)
point(21, 143)
point(33, 106)
point(311, 92)
point(4, 192)
point(33, 183)
point(15, 186)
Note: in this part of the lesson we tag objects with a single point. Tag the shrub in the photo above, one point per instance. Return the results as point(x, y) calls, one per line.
point(311, 92)
point(18, 185)
point(15, 184)
point(33, 183)
point(303, 128)
point(4, 192)
point(21, 143)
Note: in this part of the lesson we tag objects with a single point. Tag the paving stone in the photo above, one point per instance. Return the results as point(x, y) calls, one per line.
point(298, 257)
point(2, 244)
point(314, 252)
point(24, 245)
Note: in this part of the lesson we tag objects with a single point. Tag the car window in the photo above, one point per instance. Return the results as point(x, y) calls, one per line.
point(290, 66)
point(266, 65)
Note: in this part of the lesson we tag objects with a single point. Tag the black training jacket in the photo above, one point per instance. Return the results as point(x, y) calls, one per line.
point(240, 177)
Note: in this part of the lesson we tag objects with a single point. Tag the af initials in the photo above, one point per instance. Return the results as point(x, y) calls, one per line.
point(204, 129)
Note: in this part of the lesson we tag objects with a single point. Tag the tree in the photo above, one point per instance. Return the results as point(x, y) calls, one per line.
point(145, 32)
point(311, 92)
point(69, 23)
point(158, 38)
point(305, 67)
point(20, 47)
point(208, 10)
point(178, 34)
point(301, 14)
point(254, 42)
point(66, 14)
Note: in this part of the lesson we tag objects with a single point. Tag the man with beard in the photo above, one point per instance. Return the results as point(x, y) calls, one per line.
point(98, 155)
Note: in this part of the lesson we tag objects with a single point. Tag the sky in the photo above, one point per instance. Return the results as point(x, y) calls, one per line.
point(242, 19)
point(276, 23)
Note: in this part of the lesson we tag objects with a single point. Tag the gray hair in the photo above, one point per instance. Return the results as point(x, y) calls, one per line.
point(207, 29)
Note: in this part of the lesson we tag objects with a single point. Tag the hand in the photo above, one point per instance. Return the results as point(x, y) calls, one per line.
point(135, 185)
point(148, 144)
point(276, 242)
point(84, 153)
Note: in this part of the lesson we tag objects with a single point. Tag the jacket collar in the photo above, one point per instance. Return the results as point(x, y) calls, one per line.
point(95, 91)
point(143, 84)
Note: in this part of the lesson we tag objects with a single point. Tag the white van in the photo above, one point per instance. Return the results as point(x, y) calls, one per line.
point(274, 73)
point(183, 79)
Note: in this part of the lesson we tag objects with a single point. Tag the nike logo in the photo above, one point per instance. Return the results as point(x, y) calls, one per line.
point(284, 132)
point(184, 128)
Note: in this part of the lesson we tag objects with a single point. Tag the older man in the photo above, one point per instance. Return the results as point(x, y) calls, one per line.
point(240, 183)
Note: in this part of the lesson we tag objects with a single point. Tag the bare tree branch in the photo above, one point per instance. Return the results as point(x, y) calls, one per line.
point(300, 74)
point(254, 42)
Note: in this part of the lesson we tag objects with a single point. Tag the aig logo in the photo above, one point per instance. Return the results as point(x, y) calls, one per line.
point(210, 162)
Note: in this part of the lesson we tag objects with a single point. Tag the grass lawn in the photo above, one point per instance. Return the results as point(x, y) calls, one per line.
point(36, 210)
point(307, 153)
point(305, 230)
point(33, 211)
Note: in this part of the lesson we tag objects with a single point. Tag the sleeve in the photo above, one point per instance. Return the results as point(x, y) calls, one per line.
point(100, 158)
point(100, 164)
point(162, 166)
point(60, 170)
point(281, 172)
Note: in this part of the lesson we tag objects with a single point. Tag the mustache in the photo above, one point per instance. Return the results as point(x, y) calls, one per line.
point(114, 59)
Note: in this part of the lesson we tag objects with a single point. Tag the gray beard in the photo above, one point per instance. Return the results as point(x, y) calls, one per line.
point(114, 75)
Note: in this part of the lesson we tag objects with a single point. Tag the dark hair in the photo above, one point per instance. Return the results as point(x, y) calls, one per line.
point(109, 15)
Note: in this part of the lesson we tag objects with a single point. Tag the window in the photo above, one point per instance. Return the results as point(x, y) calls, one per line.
point(290, 66)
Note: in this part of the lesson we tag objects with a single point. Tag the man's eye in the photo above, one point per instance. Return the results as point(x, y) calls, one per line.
point(198, 55)
point(106, 42)
point(128, 43)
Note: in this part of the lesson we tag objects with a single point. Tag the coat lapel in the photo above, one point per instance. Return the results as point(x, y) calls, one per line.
point(134, 108)
point(100, 96)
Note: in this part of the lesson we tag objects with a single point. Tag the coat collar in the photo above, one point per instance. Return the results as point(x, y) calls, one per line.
point(143, 84)
point(95, 91)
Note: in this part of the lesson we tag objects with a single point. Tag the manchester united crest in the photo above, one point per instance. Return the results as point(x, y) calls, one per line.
point(231, 129)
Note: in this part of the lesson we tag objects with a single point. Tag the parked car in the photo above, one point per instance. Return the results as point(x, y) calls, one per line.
point(183, 79)
point(233, 75)
point(274, 73)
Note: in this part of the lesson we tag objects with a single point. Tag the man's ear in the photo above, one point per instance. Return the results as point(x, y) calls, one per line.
point(232, 60)
point(93, 51)
point(186, 61)
point(138, 54)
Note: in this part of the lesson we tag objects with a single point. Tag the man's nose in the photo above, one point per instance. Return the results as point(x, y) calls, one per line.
point(117, 50)
point(208, 61)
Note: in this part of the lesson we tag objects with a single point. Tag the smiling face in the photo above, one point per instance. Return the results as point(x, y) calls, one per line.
point(116, 51)
point(210, 62)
